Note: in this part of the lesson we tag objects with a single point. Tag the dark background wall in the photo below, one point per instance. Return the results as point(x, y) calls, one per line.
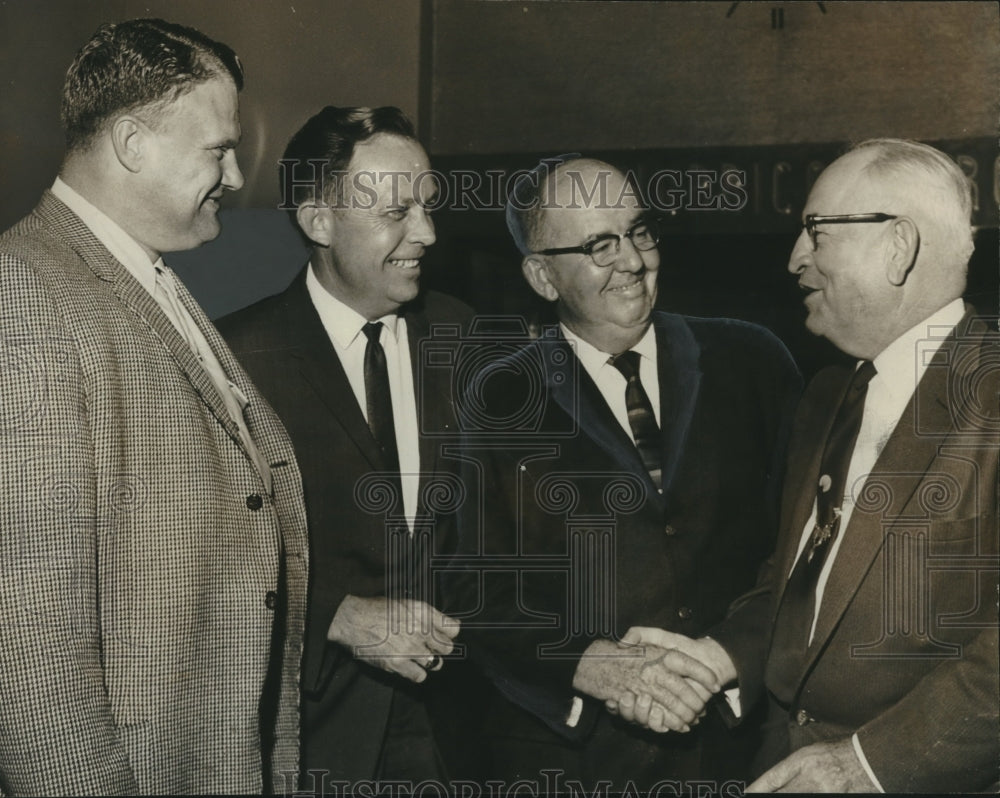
point(299, 56)
point(516, 76)
point(772, 89)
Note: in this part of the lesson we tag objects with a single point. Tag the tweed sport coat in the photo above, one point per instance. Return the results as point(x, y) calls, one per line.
point(905, 648)
point(140, 554)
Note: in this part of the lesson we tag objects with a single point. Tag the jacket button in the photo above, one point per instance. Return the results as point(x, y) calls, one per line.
point(669, 531)
point(270, 599)
point(254, 502)
point(685, 613)
point(802, 717)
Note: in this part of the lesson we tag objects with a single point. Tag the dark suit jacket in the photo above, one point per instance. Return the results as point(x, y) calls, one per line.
point(285, 348)
point(905, 649)
point(567, 540)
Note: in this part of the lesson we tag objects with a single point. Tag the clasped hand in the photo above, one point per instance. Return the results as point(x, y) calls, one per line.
point(402, 636)
point(665, 684)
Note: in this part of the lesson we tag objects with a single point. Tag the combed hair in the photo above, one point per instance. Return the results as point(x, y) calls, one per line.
point(524, 200)
point(137, 65)
point(328, 140)
point(950, 203)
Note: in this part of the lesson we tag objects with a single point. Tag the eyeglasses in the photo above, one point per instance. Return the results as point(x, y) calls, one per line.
point(605, 248)
point(812, 220)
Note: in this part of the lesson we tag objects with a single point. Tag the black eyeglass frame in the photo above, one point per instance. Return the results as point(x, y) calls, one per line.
point(652, 222)
point(814, 219)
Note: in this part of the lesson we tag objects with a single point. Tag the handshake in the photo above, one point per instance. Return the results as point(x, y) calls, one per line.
point(658, 679)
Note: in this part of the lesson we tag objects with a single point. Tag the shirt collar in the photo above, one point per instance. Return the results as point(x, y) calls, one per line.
point(901, 365)
point(593, 359)
point(342, 322)
point(125, 249)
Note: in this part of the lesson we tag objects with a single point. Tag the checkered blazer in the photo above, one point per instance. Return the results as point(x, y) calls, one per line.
point(139, 553)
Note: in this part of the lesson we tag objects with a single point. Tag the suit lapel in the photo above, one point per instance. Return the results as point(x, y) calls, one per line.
point(575, 392)
point(139, 301)
point(679, 375)
point(432, 394)
point(429, 394)
point(322, 370)
point(921, 432)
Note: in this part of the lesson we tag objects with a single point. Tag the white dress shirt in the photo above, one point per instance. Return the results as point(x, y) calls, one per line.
point(611, 382)
point(344, 327)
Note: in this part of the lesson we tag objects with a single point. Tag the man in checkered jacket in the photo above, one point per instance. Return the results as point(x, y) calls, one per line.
point(152, 533)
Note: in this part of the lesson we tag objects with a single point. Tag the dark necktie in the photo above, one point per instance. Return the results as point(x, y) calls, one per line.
point(378, 397)
point(640, 414)
point(798, 604)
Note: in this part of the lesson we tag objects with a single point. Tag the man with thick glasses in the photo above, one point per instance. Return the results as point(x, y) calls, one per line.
point(646, 481)
point(880, 672)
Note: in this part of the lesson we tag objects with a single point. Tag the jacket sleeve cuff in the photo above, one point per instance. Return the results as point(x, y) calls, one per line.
point(859, 751)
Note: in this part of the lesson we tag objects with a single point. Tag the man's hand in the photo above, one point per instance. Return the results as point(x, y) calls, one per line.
point(704, 649)
point(640, 709)
point(658, 680)
point(398, 635)
point(823, 767)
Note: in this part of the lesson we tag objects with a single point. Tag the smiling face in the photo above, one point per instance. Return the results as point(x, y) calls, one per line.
point(848, 296)
point(188, 163)
point(607, 306)
point(372, 238)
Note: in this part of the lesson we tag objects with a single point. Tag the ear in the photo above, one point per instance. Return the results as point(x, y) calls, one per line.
point(316, 222)
point(128, 137)
point(903, 250)
point(536, 272)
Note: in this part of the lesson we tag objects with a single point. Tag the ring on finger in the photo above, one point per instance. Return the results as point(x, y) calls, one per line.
point(434, 663)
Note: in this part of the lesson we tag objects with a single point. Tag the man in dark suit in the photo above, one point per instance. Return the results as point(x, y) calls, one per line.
point(338, 355)
point(880, 602)
point(620, 467)
point(152, 532)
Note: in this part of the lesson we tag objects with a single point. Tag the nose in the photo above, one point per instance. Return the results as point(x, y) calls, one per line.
point(232, 177)
point(801, 255)
point(421, 227)
point(629, 259)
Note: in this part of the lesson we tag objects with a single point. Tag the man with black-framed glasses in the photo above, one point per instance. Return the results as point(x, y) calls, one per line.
point(635, 482)
point(880, 672)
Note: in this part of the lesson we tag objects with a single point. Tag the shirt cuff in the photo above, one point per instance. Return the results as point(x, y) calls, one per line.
point(732, 696)
point(864, 762)
point(575, 711)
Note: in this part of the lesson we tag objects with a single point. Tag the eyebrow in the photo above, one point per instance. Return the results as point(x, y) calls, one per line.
point(640, 215)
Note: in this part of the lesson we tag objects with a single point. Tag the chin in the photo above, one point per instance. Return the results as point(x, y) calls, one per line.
point(211, 232)
point(815, 325)
point(403, 296)
point(636, 316)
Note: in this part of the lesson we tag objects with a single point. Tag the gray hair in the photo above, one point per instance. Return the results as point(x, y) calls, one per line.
point(944, 194)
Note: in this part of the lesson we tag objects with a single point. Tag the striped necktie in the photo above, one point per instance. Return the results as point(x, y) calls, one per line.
point(641, 418)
